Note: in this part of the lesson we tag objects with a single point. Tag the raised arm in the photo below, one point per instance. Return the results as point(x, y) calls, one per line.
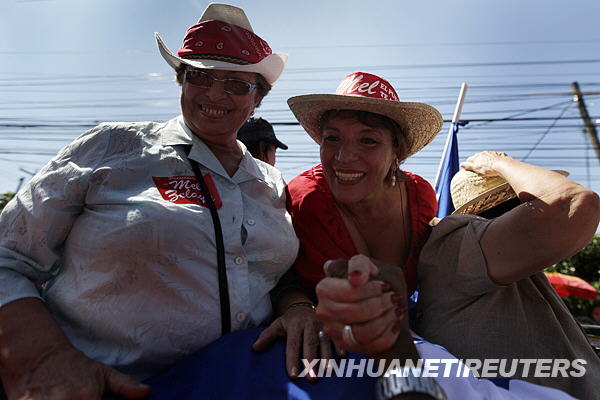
point(558, 218)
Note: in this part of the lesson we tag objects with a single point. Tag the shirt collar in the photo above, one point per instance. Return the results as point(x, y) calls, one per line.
point(248, 168)
point(176, 132)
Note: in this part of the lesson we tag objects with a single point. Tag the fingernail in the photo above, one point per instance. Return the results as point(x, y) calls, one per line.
point(396, 298)
point(326, 266)
point(356, 273)
point(294, 372)
point(385, 287)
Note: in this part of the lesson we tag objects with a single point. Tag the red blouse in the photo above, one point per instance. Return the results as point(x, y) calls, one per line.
point(323, 234)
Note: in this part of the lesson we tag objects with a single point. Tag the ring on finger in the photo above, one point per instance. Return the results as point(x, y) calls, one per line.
point(348, 336)
point(322, 336)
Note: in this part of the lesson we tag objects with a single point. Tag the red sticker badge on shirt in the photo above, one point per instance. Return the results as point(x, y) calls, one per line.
point(186, 190)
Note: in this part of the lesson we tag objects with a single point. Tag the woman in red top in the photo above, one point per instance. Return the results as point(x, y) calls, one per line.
point(358, 200)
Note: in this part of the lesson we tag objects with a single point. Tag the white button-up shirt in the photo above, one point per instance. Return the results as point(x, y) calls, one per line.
point(113, 225)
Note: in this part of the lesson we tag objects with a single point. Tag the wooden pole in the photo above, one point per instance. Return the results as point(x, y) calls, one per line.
point(589, 127)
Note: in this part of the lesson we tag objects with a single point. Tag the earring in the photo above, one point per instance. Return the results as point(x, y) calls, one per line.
point(393, 172)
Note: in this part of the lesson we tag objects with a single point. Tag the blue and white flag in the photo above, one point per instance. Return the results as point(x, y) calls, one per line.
point(448, 167)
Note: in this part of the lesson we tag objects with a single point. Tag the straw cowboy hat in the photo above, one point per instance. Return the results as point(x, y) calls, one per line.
point(473, 193)
point(223, 39)
point(360, 91)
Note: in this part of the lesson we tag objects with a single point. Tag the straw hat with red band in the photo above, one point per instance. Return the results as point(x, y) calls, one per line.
point(360, 91)
point(223, 39)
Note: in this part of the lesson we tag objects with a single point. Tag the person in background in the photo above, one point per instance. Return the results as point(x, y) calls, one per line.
point(258, 136)
point(595, 313)
point(110, 262)
point(593, 317)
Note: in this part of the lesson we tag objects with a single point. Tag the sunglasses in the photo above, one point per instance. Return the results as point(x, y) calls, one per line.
point(236, 87)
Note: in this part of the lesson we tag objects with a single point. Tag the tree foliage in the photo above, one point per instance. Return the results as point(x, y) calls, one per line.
point(586, 265)
point(5, 198)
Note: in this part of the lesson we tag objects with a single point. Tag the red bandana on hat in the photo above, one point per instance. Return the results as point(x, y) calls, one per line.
point(218, 40)
point(367, 85)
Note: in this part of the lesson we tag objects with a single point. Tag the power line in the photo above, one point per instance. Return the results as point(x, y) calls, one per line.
point(444, 44)
point(545, 133)
point(447, 65)
point(523, 113)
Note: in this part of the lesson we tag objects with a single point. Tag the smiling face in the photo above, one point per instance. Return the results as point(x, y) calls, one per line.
point(213, 114)
point(356, 157)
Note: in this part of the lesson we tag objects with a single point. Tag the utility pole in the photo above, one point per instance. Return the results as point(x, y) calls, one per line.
point(589, 127)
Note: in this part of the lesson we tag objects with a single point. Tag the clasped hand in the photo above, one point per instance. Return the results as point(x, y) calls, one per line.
point(369, 297)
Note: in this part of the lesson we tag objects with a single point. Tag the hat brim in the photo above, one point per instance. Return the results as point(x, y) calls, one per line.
point(491, 198)
point(420, 123)
point(271, 67)
point(280, 144)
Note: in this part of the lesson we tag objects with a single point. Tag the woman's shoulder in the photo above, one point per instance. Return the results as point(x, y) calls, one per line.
point(421, 195)
point(270, 175)
point(131, 131)
point(125, 128)
point(308, 184)
point(118, 131)
point(108, 139)
point(309, 191)
point(417, 180)
point(418, 183)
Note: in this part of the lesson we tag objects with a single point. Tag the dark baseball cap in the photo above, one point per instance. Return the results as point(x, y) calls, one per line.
point(259, 129)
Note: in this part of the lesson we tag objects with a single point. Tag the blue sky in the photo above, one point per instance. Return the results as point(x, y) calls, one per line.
point(69, 64)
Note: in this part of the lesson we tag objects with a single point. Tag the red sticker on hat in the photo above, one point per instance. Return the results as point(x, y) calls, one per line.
point(186, 190)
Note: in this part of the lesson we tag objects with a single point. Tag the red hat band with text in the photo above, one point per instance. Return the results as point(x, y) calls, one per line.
point(366, 85)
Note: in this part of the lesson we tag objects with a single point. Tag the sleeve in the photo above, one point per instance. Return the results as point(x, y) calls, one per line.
point(453, 256)
point(427, 200)
point(36, 222)
point(306, 269)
